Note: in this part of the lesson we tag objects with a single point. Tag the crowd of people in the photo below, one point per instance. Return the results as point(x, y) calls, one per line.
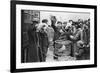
point(58, 36)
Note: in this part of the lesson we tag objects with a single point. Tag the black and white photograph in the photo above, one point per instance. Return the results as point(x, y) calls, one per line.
point(51, 36)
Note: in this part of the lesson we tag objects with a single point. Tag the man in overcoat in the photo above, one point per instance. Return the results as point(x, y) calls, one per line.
point(33, 50)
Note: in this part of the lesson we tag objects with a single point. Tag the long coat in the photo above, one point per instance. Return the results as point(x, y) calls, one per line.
point(33, 51)
point(43, 42)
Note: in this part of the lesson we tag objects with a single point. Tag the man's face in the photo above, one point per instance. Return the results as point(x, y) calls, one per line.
point(35, 24)
point(44, 27)
point(70, 22)
point(64, 25)
point(59, 25)
point(54, 21)
point(87, 22)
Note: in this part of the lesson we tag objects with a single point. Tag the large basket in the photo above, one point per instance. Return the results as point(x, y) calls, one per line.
point(62, 47)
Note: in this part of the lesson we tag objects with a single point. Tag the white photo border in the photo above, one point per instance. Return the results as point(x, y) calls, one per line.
point(20, 65)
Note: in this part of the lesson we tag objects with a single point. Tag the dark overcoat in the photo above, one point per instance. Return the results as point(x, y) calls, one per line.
point(33, 51)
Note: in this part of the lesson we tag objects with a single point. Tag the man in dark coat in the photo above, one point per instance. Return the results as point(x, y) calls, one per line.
point(33, 51)
point(44, 43)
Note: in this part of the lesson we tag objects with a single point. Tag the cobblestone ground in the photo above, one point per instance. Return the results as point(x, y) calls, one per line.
point(49, 57)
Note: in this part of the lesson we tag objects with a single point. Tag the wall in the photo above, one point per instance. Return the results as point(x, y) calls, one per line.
point(5, 36)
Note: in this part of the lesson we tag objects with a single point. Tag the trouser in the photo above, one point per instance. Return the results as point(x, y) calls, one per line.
point(44, 53)
point(33, 53)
